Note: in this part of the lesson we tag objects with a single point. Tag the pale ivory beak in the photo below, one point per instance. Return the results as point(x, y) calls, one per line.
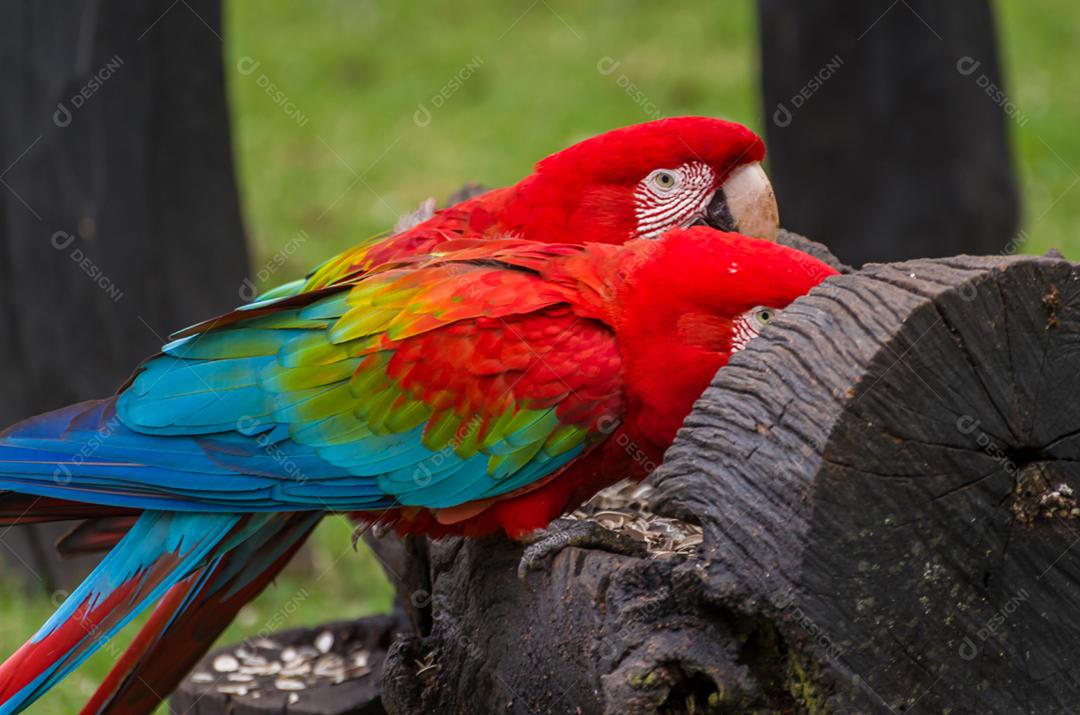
point(746, 204)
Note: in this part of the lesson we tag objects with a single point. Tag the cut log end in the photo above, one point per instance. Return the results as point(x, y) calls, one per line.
point(891, 476)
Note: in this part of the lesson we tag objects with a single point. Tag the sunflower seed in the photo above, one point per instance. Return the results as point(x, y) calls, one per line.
point(289, 654)
point(226, 663)
point(610, 519)
point(202, 677)
point(324, 642)
point(329, 666)
point(296, 669)
point(358, 672)
point(294, 698)
point(268, 669)
point(289, 684)
point(233, 689)
point(240, 678)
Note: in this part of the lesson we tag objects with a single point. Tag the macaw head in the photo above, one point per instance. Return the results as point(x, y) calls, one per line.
point(642, 180)
point(687, 301)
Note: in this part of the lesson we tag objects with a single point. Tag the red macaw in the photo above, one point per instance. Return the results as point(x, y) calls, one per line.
point(488, 387)
point(632, 182)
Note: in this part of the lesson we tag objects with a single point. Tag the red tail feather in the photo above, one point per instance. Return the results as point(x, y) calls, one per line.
point(165, 650)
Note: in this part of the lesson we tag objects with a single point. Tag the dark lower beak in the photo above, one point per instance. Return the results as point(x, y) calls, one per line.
point(745, 204)
point(718, 215)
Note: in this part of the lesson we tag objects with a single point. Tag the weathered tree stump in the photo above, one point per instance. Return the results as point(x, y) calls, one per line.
point(885, 486)
point(895, 489)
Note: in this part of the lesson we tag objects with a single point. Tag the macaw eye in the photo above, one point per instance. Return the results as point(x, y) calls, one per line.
point(669, 198)
point(664, 180)
point(764, 314)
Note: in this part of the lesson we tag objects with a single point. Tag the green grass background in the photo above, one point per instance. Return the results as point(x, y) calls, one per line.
point(350, 159)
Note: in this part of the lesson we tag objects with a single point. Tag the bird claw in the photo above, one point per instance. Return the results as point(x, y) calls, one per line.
point(545, 544)
point(378, 529)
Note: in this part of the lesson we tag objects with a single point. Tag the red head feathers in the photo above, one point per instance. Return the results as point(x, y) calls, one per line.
point(634, 182)
point(628, 154)
point(641, 180)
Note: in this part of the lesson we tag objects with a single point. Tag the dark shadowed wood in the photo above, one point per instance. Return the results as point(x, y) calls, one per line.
point(884, 139)
point(598, 633)
point(119, 219)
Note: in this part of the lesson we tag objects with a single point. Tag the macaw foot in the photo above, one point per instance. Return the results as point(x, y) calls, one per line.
point(584, 533)
point(378, 530)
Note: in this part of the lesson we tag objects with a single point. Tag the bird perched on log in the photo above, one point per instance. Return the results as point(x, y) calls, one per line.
point(633, 182)
point(486, 388)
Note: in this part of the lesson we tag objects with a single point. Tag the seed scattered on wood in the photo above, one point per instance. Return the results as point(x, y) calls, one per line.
point(263, 665)
point(622, 509)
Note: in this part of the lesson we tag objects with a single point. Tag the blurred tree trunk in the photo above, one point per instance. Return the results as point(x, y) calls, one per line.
point(119, 215)
point(887, 127)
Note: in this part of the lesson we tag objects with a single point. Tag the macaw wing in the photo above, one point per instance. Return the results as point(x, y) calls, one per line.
point(430, 387)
